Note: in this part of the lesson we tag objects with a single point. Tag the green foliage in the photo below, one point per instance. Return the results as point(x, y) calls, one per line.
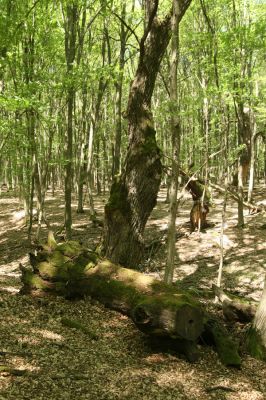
point(221, 64)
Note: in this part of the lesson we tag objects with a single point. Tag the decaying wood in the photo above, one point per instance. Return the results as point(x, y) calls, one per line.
point(234, 310)
point(157, 309)
point(196, 187)
point(216, 334)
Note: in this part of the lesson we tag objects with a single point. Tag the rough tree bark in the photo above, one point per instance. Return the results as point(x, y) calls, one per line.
point(133, 195)
point(256, 340)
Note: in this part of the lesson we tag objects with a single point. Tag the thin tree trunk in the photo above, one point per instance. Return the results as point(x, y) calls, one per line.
point(252, 164)
point(175, 130)
point(220, 271)
point(70, 53)
point(82, 172)
point(118, 96)
point(89, 167)
point(68, 166)
point(240, 208)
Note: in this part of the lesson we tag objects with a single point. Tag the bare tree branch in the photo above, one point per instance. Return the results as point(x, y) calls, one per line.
point(126, 25)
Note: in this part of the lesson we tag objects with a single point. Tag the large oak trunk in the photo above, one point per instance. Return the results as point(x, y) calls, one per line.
point(134, 193)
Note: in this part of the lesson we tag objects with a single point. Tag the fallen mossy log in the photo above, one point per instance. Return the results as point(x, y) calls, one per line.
point(154, 307)
point(157, 309)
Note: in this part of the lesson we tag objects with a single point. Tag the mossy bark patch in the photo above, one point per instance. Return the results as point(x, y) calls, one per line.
point(227, 349)
point(118, 199)
point(255, 345)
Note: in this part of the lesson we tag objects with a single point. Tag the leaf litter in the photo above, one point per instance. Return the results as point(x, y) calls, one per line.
point(41, 357)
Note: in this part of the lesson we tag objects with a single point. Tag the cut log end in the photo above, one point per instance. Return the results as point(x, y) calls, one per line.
point(175, 319)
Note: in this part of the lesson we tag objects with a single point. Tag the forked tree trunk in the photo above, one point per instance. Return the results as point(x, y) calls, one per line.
point(133, 195)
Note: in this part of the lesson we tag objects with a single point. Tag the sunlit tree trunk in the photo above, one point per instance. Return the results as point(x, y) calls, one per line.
point(118, 94)
point(252, 165)
point(71, 20)
point(175, 130)
point(82, 166)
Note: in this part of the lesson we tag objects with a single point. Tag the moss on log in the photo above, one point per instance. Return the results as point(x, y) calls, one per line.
point(70, 270)
point(157, 309)
point(227, 349)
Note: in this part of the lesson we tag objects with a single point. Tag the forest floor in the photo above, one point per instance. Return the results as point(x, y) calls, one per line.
point(50, 361)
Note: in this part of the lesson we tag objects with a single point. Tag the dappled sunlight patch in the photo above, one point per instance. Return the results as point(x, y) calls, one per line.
point(13, 265)
point(187, 269)
point(227, 242)
point(121, 364)
point(18, 215)
point(9, 289)
point(236, 266)
point(78, 226)
point(8, 201)
point(3, 240)
point(6, 275)
point(261, 246)
point(245, 395)
point(21, 364)
point(178, 379)
point(29, 340)
point(156, 358)
point(46, 334)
